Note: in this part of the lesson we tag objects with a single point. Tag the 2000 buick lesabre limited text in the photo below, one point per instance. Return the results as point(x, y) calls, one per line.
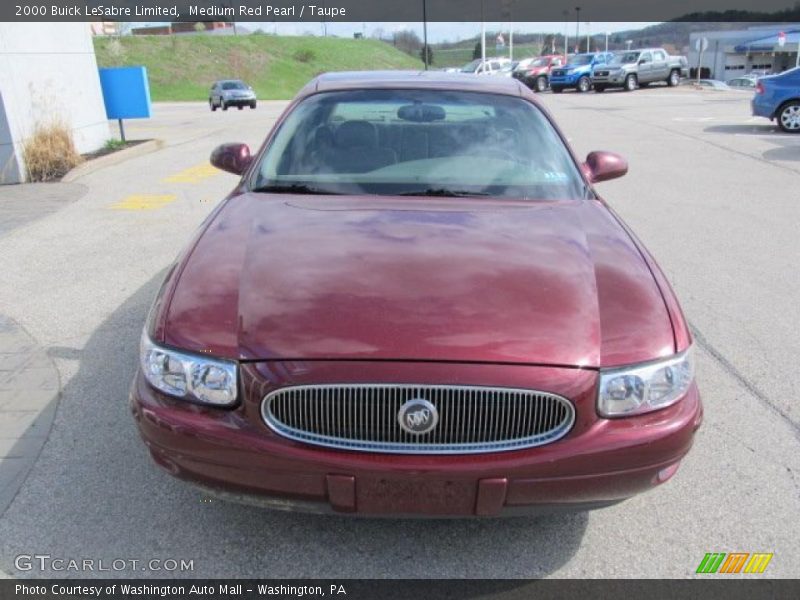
point(415, 303)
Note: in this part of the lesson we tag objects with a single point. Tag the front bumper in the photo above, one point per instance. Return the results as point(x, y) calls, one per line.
point(240, 101)
point(610, 80)
point(568, 80)
point(233, 453)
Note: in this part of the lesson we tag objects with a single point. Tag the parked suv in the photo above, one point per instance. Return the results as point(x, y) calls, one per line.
point(639, 68)
point(535, 72)
point(577, 73)
point(231, 92)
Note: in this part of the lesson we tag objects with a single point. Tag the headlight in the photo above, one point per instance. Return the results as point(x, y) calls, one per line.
point(198, 378)
point(645, 388)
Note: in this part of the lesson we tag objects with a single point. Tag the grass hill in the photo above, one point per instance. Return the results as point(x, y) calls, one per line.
point(183, 67)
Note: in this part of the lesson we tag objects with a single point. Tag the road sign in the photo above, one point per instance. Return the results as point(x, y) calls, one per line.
point(701, 44)
point(781, 39)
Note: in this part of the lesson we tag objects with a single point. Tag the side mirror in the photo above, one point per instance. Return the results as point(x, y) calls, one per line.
point(233, 158)
point(602, 166)
point(642, 61)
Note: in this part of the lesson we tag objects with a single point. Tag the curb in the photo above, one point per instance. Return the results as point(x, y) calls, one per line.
point(90, 166)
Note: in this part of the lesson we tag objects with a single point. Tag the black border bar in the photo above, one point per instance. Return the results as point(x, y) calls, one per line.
point(729, 587)
point(397, 10)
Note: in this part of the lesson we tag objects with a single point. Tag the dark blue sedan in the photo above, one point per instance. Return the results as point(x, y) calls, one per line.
point(777, 98)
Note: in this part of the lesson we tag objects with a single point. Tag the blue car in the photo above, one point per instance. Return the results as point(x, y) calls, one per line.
point(777, 98)
point(577, 73)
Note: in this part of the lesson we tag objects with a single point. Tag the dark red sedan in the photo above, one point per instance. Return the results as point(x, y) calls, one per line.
point(415, 303)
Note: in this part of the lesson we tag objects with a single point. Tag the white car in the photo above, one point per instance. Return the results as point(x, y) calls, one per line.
point(491, 66)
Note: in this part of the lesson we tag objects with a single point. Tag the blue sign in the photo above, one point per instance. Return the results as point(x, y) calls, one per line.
point(126, 92)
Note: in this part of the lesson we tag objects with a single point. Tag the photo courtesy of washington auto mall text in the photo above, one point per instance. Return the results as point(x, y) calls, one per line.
point(109, 591)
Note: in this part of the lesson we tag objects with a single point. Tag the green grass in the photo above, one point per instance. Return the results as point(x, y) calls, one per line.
point(458, 57)
point(183, 67)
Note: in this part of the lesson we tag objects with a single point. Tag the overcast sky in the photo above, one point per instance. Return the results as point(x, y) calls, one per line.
point(438, 32)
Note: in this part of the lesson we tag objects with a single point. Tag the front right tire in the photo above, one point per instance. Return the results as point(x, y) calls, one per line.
point(789, 117)
point(222, 105)
point(584, 84)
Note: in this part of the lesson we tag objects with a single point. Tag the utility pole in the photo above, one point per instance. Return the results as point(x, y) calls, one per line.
point(577, 29)
point(566, 37)
point(608, 33)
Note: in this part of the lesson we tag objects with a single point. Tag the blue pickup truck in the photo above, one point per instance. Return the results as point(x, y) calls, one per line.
point(577, 73)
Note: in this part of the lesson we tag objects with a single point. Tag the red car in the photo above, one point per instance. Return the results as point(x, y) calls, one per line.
point(415, 303)
point(535, 72)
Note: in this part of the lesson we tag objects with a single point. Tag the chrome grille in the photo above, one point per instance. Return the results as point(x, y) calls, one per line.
point(365, 417)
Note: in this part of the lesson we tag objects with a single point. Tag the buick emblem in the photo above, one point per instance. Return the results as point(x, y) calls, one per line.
point(418, 416)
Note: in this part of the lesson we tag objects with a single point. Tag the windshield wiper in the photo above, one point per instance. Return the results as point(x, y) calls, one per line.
point(292, 188)
point(443, 192)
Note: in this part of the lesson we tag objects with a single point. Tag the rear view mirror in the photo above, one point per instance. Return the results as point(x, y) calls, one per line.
point(421, 113)
point(602, 166)
point(233, 158)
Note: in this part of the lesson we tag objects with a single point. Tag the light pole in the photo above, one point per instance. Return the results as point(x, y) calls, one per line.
point(566, 36)
point(588, 36)
point(483, 39)
point(425, 33)
point(608, 33)
point(577, 29)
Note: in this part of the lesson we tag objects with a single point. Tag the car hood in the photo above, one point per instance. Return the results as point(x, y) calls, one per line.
point(336, 277)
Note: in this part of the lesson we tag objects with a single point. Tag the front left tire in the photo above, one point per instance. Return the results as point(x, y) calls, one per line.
point(584, 84)
point(541, 83)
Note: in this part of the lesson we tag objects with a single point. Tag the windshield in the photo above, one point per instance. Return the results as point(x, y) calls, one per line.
point(234, 85)
point(418, 142)
point(625, 58)
point(580, 59)
point(471, 67)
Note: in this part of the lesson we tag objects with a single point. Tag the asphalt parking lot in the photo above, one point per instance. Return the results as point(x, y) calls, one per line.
point(712, 192)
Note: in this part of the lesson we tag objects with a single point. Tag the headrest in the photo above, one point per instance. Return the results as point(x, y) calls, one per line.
point(357, 134)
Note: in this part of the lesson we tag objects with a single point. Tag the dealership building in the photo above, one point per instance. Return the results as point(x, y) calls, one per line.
point(756, 48)
point(49, 75)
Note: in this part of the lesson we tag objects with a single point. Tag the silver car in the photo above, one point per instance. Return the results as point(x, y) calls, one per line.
point(231, 92)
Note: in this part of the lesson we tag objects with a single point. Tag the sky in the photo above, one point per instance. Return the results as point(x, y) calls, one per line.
point(437, 32)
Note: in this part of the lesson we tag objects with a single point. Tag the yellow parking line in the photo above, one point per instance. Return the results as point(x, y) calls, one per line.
point(193, 174)
point(144, 202)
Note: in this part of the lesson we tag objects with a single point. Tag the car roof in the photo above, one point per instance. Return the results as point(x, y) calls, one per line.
point(466, 82)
